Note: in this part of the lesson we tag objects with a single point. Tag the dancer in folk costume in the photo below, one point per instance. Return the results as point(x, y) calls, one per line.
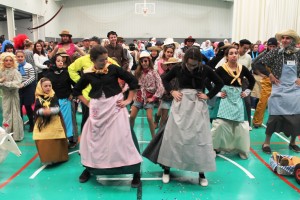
point(62, 86)
point(187, 142)
point(10, 82)
point(230, 129)
point(107, 145)
point(284, 102)
point(49, 132)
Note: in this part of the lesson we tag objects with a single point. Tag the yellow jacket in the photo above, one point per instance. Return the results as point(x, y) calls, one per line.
point(81, 64)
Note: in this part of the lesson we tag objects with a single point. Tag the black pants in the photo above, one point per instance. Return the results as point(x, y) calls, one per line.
point(29, 113)
point(85, 114)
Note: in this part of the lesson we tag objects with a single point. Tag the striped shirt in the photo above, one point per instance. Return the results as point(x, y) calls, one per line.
point(29, 76)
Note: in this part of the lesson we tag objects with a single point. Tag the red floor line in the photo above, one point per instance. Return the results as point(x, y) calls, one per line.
point(19, 171)
point(268, 166)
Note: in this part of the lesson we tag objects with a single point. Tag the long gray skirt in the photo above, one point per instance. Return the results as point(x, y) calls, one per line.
point(187, 140)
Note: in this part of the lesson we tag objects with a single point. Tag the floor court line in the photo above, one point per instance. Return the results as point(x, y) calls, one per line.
point(239, 166)
point(268, 166)
point(44, 166)
point(19, 171)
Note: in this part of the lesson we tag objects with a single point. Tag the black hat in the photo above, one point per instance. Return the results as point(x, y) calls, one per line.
point(159, 43)
point(272, 41)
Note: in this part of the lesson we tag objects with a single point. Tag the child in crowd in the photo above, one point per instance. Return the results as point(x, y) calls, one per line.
point(62, 86)
point(27, 87)
point(10, 81)
point(151, 89)
point(49, 133)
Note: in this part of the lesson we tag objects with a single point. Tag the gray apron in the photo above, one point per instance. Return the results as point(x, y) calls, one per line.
point(285, 97)
point(232, 107)
point(187, 140)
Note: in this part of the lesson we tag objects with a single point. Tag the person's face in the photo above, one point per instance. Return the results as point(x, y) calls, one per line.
point(169, 53)
point(189, 43)
point(93, 43)
point(86, 43)
point(232, 55)
point(8, 62)
point(46, 87)
point(192, 64)
point(154, 53)
point(59, 62)
point(112, 39)
point(11, 50)
point(38, 47)
point(144, 62)
point(101, 61)
point(65, 38)
point(20, 57)
point(271, 47)
point(243, 49)
point(286, 41)
point(255, 48)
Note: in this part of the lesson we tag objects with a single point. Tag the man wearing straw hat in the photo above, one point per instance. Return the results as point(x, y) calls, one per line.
point(67, 44)
point(284, 102)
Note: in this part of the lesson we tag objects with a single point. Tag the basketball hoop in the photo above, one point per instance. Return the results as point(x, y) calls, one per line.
point(144, 8)
point(145, 11)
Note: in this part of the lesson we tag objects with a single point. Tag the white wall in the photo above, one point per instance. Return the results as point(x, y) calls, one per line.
point(41, 9)
point(173, 18)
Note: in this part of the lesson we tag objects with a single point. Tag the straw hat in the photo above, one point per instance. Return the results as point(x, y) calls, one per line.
point(145, 54)
point(154, 48)
point(62, 52)
point(170, 41)
point(171, 60)
point(290, 33)
point(65, 32)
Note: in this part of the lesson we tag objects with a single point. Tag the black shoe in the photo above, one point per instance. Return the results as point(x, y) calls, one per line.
point(72, 145)
point(266, 149)
point(294, 148)
point(85, 176)
point(136, 181)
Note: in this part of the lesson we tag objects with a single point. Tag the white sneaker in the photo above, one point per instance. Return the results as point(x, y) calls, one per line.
point(243, 156)
point(165, 178)
point(203, 182)
point(250, 128)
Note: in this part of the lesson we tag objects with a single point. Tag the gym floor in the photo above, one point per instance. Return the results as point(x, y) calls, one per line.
point(25, 177)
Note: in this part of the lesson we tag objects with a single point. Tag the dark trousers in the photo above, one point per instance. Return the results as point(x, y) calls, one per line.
point(85, 114)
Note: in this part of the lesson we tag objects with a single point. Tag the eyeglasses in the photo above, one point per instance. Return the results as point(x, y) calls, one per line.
point(190, 41)
point(144, 61)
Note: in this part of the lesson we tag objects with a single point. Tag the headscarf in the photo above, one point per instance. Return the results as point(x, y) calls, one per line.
point(231, 73)
point(45, 99)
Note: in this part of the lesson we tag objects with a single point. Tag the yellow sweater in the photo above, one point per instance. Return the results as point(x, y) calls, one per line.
point(81, 64)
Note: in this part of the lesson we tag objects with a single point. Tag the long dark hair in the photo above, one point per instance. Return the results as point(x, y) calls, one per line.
point(138, 71)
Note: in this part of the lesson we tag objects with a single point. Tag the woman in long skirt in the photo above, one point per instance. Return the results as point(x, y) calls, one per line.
point(107, 146)
point(187, 142)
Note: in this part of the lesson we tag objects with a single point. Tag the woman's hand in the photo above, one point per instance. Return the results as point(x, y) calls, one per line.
point(149, 100)
point(202, 95)
point(222, 95)
point(123, 103)
point(177, 95)
point(47, 112)
point(245, 93)
point(273, 79)
point(297, 81)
